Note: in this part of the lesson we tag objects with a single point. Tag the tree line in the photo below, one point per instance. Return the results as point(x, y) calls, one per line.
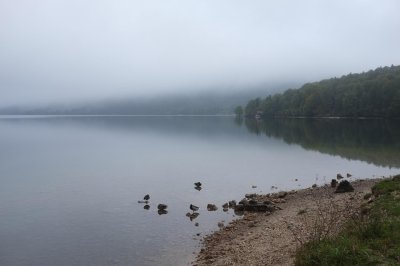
point(375, 93)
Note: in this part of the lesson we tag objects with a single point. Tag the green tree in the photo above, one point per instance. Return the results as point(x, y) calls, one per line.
point(239, 111)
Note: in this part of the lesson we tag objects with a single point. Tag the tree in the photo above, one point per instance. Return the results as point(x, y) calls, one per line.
point(239, 111)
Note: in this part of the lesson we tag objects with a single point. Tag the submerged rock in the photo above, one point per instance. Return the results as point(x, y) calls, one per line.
point(211, 207)
point(162, 206)
point(161, 212)
point(146, 207)
point(344, 186)
point(193, 215)
point(198, 188)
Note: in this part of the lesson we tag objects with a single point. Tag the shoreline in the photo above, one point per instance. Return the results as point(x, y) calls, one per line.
point(260, 238)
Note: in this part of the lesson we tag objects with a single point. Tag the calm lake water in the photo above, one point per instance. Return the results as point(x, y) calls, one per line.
point(69, 186)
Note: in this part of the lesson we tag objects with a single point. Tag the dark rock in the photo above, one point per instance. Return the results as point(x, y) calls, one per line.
point(348, 175)
point(161, 212)
point(220, 224)
point(211, 207)
point(239, 207)
point(244, 202)
point(238, 212)
point(250, 196)
point(193, 207)
point(192, 216)
point(146, 207)
point(339, 176)
point(225, 205)
point(344, 186)
point(225, 209)
point(197, 184)
point(196, 224)
point(146, 197)
point(253, 186)
point(314, 186)
point(162, 206)
point(232, 204)
point(334, 183)
point(198, 188)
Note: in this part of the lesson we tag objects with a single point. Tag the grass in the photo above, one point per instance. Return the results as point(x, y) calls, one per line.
point(372, 239)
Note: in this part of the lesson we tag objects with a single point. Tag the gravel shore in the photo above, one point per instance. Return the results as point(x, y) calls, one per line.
point(272, 238)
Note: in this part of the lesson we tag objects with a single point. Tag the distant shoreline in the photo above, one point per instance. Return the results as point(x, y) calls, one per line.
point(112, 115)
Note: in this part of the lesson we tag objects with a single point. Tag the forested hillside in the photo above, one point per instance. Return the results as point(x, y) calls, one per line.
point(375, 93)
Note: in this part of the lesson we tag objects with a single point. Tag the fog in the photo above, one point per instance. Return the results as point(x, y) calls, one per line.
point(75, 50)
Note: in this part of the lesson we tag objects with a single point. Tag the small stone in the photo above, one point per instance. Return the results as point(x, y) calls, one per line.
point(314, 186)
point(211, 207)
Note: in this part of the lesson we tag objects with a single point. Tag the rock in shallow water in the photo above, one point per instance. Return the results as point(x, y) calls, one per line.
point(162, 206)
point(211, 207)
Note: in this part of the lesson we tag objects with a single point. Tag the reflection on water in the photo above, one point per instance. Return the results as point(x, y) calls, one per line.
point(373, 141)
point(70, 186)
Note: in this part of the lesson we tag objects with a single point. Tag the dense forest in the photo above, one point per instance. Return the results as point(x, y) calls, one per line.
point(375, 93)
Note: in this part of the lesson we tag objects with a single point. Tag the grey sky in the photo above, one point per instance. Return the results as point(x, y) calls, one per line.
point(69, 50)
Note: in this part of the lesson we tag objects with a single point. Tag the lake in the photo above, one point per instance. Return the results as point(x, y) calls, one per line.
point(70, 185)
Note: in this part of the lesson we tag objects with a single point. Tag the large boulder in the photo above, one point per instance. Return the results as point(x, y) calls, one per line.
point(344, 186)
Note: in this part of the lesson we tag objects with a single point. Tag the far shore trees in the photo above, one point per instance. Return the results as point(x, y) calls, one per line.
point(375, 93)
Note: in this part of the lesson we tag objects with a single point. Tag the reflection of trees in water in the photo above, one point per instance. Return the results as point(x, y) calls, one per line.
point(373, 141)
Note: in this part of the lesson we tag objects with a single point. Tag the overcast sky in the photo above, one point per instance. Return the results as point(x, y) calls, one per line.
point(67, 50)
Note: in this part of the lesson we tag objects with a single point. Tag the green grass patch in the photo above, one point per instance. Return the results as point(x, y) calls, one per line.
point(373, 239)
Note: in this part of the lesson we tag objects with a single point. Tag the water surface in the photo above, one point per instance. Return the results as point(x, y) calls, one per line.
point(69, 186)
